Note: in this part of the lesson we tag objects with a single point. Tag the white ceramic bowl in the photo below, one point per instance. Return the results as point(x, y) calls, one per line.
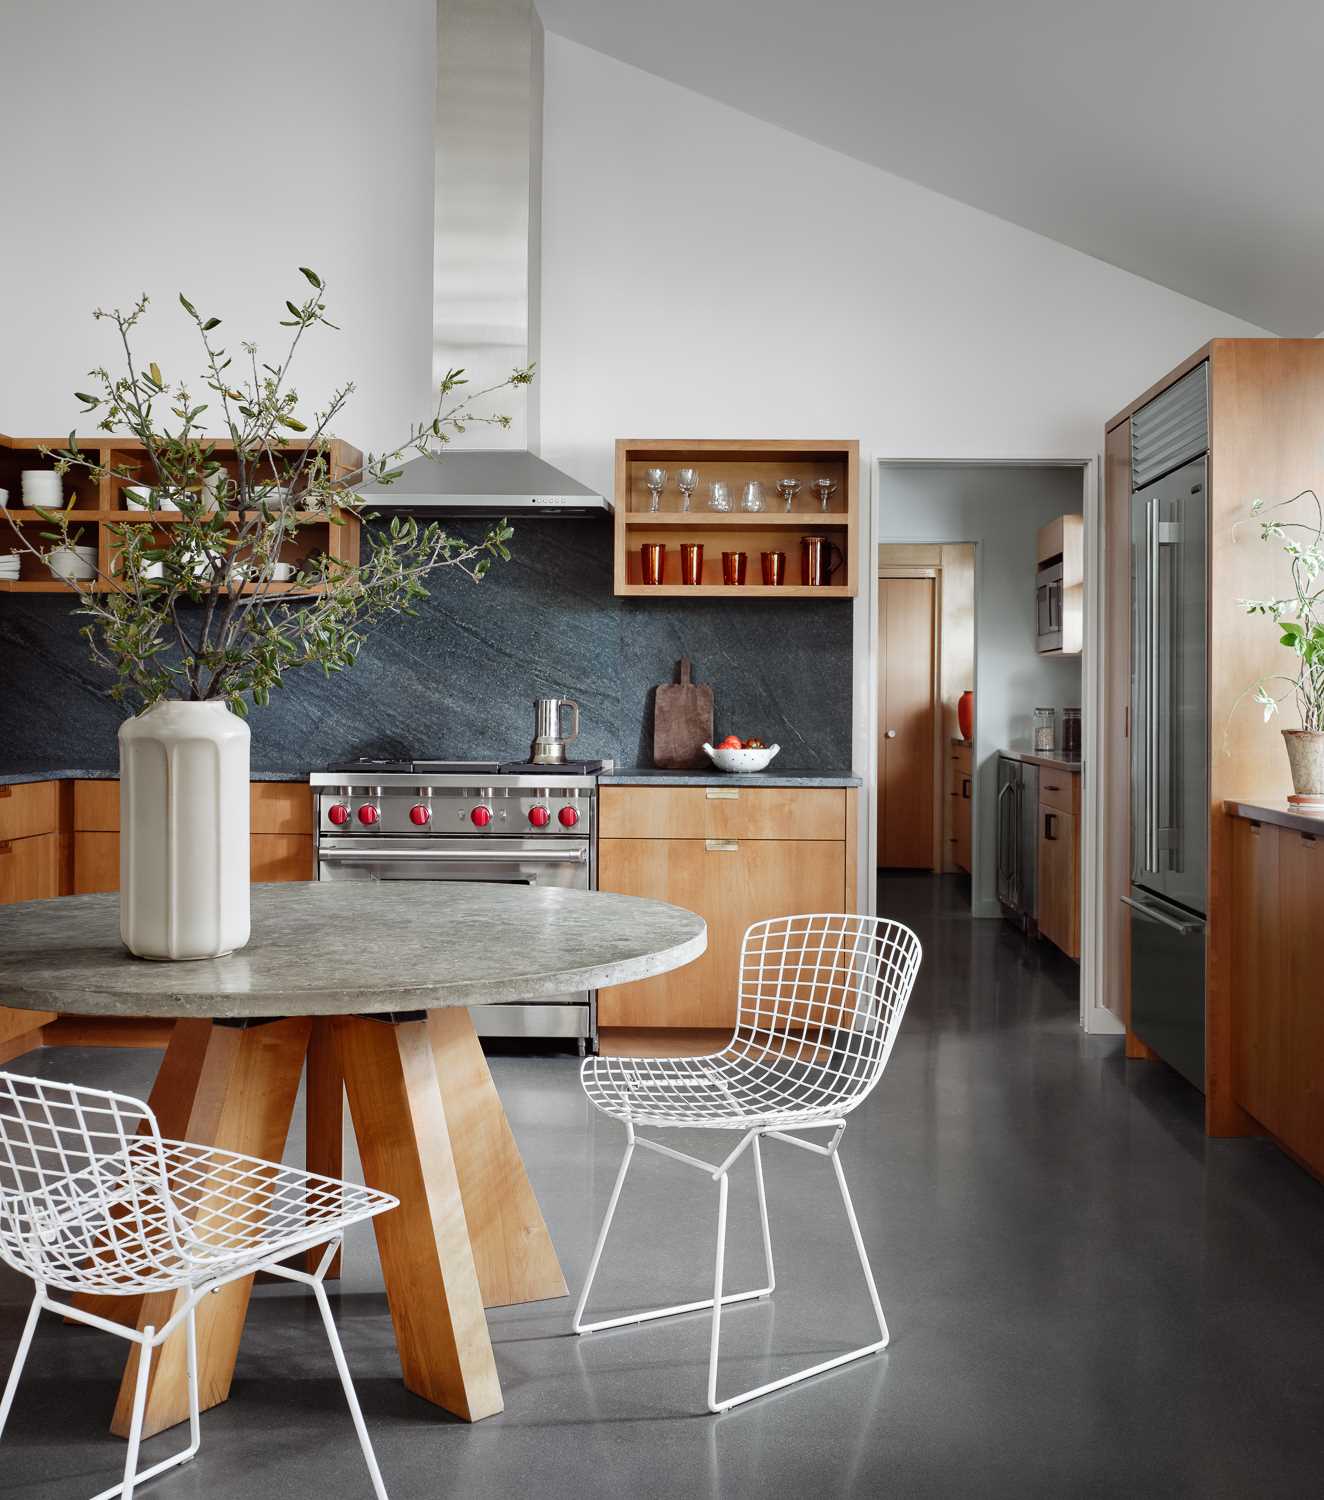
point(741, 762)
point(72, 562)
point(139, 497)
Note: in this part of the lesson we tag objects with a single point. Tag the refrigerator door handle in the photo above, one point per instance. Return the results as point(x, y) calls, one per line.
point(1151, 685)
point(1154, 914)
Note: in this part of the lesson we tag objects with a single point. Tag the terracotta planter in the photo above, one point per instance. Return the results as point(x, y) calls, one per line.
point(1305, 752)
point(184, 858)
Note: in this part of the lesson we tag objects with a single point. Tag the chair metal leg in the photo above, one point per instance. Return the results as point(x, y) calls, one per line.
point(338, 1354)
point(20, 1358)
point(648, 1316)
point(714, 1405)
point(139, 1404)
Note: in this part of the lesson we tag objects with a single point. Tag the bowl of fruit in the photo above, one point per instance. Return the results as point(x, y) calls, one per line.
point(740, 757)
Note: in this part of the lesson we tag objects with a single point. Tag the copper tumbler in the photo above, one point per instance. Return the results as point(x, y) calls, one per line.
point(774, 567)
point(691, 562)
point(652, 562)
point(733, 566)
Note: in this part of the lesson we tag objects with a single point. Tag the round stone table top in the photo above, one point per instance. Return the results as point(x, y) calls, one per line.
point(348, 947)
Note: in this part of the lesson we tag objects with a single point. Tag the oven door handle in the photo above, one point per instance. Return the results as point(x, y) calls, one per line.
point(441, 856)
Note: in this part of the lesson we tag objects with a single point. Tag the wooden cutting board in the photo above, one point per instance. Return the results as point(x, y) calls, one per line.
point(682, 722)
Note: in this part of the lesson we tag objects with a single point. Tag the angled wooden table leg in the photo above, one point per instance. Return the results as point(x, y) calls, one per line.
point(431, 1284)
point(247, 1079)
point(324, 1112)
point(512, 1249)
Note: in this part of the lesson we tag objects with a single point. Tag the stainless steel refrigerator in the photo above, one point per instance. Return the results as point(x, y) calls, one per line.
point(1170, 744)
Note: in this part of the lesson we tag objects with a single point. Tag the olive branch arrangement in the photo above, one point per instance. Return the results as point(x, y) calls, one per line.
point(199, 614)
point(1299, 620)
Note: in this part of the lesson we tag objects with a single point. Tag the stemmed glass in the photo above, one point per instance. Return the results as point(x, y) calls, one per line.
point(826, 489)
point(788, 489)
point(655, 480)
point(687, 481)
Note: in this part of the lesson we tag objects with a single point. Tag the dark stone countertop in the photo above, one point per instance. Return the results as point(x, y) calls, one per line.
point(1278, 813)
point(1049, 762)
point(645, 776)
point(65, 773)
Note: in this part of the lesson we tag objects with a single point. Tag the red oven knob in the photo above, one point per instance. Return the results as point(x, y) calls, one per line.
point(368, 815)
point(481, 816)
point(419, 815)
point(338, 814)
point(539, 816)
point(568, 817)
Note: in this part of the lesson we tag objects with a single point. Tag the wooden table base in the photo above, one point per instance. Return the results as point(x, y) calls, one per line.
point(430, 1129)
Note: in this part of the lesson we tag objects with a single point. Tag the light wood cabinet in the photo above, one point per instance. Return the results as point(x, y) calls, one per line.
point(280, 842)
point(960, 792)
point(1277, 877)
point(30, 870)
point(735, 858)
point(1059, 860)
point(1063, 541)
point(28, 808)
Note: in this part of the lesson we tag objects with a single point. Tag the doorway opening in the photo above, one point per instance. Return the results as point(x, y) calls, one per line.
point(958, 552)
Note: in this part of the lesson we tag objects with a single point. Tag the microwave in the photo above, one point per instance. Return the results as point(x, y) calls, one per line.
point(1048, 605)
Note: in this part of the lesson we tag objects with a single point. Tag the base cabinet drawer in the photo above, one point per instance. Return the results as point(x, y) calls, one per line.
point(721, 812)
point(1059, 879)
point(30, 868)
point(273, 857)
point(284, 807)
point(730, 883)
point(28, 808)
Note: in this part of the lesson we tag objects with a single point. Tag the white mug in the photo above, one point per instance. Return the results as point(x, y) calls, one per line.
point(282, 572)
point(4, 499)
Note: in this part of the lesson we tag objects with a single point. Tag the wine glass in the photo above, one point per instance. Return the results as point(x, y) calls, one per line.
point(687, 481)
point(719, 496)
point(655, 480)
point(788, 489)
point(826, 489)
point(751, 497)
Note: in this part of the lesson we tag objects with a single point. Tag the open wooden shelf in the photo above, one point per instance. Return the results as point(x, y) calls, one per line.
point(95, 506)
point(736, 462)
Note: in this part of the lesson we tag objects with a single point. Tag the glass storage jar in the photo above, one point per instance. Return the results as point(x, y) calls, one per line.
point(1071, 733)
point(1045, 731)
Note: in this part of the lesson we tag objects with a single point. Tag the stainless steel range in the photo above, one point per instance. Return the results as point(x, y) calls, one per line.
point(512, 823)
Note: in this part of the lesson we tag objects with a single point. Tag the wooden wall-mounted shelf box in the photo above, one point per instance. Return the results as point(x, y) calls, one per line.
point(736, 462)
point(99, 503)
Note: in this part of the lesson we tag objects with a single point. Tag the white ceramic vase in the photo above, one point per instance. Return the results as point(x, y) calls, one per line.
point(184, 858)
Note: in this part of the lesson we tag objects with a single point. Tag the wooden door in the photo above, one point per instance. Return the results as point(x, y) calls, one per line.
point(906, 723)
point(730, 883)
point(1300, 1122)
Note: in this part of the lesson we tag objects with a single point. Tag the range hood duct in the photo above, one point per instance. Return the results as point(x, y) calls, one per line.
point(486, 267)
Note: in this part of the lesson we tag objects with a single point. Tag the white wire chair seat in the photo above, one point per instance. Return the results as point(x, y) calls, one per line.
point(163, 1214)
point(94, 1200)
point(819, 1003)
point(821, 999)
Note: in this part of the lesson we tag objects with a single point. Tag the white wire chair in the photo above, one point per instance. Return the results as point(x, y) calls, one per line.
point(821, 1001)
point(92, 1199)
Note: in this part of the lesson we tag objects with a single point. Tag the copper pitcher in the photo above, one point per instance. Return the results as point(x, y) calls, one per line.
point(817, 563)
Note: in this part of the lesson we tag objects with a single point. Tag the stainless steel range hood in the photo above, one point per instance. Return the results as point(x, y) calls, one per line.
point(487, 268)
point(484, 482)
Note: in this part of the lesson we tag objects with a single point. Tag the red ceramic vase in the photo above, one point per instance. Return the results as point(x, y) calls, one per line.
point(965, 714)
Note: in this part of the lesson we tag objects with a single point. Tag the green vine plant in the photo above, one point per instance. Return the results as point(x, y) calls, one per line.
point(191, 608)
point(1298, 619)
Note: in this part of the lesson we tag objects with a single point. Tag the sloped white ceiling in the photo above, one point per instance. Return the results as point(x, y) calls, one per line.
point(1178, 139)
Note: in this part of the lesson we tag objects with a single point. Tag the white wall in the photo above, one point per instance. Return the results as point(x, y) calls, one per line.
point(1000, 508)
point(176, 145)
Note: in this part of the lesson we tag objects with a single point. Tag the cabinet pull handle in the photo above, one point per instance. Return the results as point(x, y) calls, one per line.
point(1050, 831)
point(965, 788)
point(722, 846)
point(1050, 786)
point(5, 846)
point(721, 794)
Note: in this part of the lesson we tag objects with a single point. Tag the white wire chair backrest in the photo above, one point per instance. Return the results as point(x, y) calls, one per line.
point(74, 1161)
point(822, 996)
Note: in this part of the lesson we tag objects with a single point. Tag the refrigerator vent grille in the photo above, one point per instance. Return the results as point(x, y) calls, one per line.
point(1172, 429)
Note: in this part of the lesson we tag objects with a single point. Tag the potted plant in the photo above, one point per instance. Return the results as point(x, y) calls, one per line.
point(1300, 623)
point(199, 615)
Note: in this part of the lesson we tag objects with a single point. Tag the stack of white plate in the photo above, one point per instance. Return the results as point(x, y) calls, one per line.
point(143, 497)
point(73, 563)
point(42, 487)
point(9, 566)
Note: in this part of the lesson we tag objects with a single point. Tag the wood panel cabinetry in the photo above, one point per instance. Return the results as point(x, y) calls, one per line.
point(1059, 860)
point(1277, 877)
point(960, 791)
point(735, 855)
point(31, 869)
point(280, 833)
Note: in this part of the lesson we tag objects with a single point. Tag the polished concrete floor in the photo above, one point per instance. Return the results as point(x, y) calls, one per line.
point(1087, 1297)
